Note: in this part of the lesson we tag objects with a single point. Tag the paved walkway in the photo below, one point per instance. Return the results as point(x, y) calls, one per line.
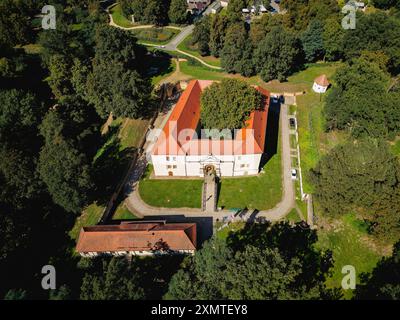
point(210, 194)
point(136, 204)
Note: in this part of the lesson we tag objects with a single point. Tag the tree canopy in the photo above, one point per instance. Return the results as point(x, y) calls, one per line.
point(361, 176)
point(177, 11)
point(313, 42)
point(300, 13)
point(375, 31)
point(236, 54)
point(158, 12)
point(116, 281)
point(228, 104)
point(115, 83)
point(201, 35)
point(268, 268)
point(277, 55)
point(360, 100)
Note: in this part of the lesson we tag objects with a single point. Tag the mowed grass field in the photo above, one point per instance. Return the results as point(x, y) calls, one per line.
point(89, 217)
point(183, 193)
point(260, 192)
point(350, 245)
point(155, 35)
point(313, 139)
point(119, 18)
point(186, 46)
point(396, 147)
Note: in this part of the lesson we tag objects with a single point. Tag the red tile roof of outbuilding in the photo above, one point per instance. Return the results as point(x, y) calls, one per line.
point(137, 236)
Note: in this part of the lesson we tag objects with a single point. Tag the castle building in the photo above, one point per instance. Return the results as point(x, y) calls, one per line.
point(183, 149)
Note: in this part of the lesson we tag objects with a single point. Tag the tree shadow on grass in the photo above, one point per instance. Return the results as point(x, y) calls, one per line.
point(272, 134)
point(48, 244)
point(160, 60)
point(292, 242)
point(109, 166)
point(156, 272)
point(383, 283)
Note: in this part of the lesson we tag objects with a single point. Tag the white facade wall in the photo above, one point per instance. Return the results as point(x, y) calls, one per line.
point(319, 89)
point(193, 165)
point(133, 253)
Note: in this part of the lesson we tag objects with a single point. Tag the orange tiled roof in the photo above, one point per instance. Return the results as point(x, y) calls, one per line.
point(186, 115)
point(137, 236)
point(322, 80)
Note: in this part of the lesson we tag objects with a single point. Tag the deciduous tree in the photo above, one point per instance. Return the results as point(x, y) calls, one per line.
point(177, 12)
point(228, 104)
point(277, 55)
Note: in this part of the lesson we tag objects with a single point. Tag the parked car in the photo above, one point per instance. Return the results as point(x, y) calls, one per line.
point(292, 122)
point(294, 174)
point(274, 99)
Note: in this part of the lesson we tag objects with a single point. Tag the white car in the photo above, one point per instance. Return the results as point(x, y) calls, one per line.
point(274, 98)
point(294, 174)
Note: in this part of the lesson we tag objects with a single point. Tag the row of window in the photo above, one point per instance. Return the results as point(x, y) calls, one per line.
point(175, 166)
point(168, 158)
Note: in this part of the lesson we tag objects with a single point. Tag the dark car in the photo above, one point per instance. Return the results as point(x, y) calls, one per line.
point(292, 122)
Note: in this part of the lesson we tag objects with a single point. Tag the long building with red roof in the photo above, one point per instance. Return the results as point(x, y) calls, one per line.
point(137, 238)
point(182, 151)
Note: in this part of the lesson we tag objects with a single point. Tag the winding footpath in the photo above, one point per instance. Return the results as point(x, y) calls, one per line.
point(135, 203)
point(172, 46)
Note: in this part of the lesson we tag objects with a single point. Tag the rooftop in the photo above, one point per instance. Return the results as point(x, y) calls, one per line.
point(137, 236)
point(179, 136)
point(322, 80)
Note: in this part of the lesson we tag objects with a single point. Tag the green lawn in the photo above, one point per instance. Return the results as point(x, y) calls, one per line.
point(348, 245)
point(89, 217)
point(166, 68)
point(32, 48)
point(254, 192)
point(186, 46)
point(119, 18)
point(170, 193)
point(396, 148)
point(293, 216)
point(123, 213)
point(198, 71)
point(131, 132)
point(313, 139)
point(261, 192)
point(230, 228)
point(157, 36)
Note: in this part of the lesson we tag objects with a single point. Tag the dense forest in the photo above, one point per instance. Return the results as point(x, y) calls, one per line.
point(54, 102)
point(52, 107)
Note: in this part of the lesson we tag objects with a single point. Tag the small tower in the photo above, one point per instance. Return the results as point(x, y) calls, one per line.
point(321, 84)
